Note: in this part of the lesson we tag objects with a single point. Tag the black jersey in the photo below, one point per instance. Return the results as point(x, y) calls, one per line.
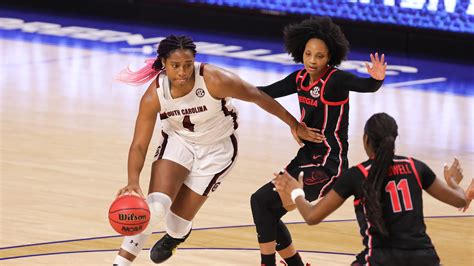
point(401, 202)
point(324, 105)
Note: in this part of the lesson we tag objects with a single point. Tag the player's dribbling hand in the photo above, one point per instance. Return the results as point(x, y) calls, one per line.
point(130, 190)
point(302, 132)
point(378, 67)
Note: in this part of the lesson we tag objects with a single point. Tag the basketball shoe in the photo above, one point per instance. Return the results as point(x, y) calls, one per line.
point(165, 247)
point(286, 264)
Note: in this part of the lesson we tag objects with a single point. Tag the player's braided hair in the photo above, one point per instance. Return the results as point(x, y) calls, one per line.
point(297, 35)
point(381, 131)
point(171, 43)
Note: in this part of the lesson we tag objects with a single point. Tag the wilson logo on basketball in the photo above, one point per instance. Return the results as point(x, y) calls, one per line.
point(131, 217)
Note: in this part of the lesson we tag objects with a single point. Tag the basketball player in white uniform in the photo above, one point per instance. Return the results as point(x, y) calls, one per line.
point(198, 146)
point(200, 131)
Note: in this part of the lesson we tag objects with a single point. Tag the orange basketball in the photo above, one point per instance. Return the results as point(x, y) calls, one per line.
point(129, 215)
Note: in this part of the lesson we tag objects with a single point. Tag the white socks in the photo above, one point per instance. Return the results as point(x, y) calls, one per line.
point(121, 261)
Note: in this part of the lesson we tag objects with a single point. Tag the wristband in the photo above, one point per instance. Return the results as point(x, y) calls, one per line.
point(296, 193)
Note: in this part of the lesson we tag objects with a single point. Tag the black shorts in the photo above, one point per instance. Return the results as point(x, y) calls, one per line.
point(398, 257)
point(317, 182)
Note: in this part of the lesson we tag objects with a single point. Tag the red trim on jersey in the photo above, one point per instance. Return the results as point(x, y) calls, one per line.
point(367, 233)
point(322, 132)
point(231, 113)
point(401, 160)
point(314, 83)
point(201, 69)
point(309, 165)
point(356, 202)
point(163, 145)
point(415, 172)
point(232, 160)
point(298, 75)
point(363, 170)
point(338, 139)
point(322, 93)
point(339, 168)
point(303, 113)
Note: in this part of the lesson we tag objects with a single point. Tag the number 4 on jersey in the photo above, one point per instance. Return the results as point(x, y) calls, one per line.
point(392, 188)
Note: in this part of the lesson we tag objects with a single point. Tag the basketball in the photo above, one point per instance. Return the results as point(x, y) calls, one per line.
point(129, 215)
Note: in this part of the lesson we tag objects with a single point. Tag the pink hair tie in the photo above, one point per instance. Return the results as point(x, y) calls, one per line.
point(139, 77)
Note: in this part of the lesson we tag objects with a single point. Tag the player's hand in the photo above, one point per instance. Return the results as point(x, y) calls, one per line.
point(470, 191)
point(453, 174)
point(378, 67)
point(130, 189)
point(302, 132)
point(284, 183)
point(469, 195)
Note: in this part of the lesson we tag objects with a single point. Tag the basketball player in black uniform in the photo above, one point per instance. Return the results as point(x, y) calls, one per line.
point(388, 199)
point(323, 94)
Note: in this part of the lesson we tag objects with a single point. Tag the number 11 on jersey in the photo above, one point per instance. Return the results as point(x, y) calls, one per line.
point(392, 188)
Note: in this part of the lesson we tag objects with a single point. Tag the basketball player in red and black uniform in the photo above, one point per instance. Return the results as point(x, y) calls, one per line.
point(323, 94)
point(388, 199)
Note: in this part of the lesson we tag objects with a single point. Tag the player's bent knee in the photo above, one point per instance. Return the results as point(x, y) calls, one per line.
point(283, 237)
point(254, 202)
point(159, 204)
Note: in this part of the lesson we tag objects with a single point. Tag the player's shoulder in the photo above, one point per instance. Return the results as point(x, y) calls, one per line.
point(419, 164)
point(339, 73)
point(409, 159)
point(214, 74)
point(358, 170)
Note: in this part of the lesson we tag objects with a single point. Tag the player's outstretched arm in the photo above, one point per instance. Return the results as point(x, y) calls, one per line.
point(222, 84)
point(450, 192)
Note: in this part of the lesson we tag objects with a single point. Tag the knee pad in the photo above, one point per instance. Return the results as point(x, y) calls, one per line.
point(176, 226)
point(266, 204)
point(266, 211)
point(283, 236)
point(159, 205)
point(262, 200)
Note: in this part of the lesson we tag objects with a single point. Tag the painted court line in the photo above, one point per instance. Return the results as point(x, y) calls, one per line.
point(415, 82)
point(197, 229)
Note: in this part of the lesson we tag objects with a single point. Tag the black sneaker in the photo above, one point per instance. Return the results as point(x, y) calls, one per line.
point(165, 247)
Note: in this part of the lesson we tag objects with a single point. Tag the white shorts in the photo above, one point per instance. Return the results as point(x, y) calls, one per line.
point(207, 164)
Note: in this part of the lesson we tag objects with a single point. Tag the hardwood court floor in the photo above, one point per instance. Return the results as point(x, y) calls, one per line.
point(65, 131)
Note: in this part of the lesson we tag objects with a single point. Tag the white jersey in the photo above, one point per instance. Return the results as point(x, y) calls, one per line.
point(196, 117)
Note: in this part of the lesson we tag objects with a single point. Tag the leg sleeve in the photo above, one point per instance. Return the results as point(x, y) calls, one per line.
point(267, 210)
